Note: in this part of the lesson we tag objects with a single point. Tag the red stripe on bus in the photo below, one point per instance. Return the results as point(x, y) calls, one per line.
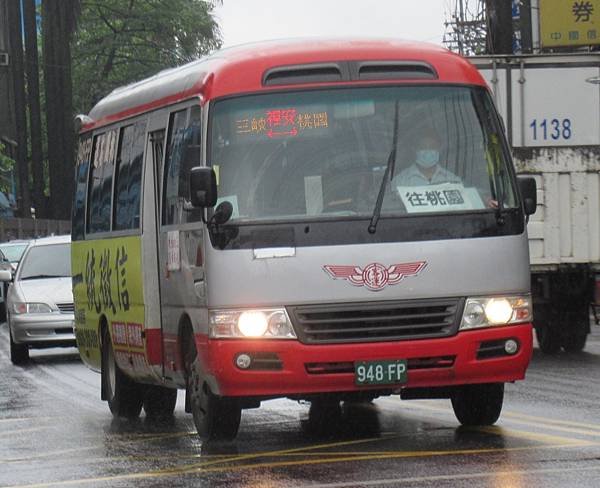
point(154, 346)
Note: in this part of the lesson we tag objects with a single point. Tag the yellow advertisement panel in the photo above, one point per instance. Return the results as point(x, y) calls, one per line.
point(108, 282)
point(569, 22)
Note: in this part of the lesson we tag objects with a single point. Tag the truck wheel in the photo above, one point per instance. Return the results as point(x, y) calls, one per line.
point(19, 353)
point(548, 339)
point(575, 342)
point(215, 418)
point(123, 394)
point(159, 402)
point(478, 404)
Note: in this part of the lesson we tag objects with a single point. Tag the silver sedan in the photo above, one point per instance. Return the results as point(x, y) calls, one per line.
point(40, 298)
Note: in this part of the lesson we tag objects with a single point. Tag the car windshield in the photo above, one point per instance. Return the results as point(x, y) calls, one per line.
point(49, 261)
point(13, 252)
point(321, 153)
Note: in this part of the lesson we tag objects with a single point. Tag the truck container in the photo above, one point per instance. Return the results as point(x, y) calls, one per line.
point(550, 105)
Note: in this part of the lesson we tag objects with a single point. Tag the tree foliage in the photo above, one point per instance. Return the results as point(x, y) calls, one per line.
point(121, 41)
point(6, 166)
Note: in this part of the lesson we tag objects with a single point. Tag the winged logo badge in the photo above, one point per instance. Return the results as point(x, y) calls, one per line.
point(374, 276)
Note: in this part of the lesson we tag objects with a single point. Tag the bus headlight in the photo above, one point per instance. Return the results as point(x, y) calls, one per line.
point(494, 311)
point(251, 324)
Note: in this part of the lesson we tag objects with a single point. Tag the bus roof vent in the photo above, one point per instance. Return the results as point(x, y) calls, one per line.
point(388, 70)
point(307, 73)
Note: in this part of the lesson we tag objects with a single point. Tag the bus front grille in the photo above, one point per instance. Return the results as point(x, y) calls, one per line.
point(376, 321)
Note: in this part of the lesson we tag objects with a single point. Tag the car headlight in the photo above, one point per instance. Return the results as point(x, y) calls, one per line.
point(22, 307)
point(253, 324)
point(495, 311)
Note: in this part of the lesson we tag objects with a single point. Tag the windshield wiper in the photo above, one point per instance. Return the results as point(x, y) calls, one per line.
point(388, 174)
point(42, 276)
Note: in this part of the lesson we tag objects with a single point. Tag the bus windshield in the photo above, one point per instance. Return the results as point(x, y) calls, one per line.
point(324, 153)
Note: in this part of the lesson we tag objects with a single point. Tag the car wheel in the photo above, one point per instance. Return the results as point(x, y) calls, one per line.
point(123, 394)
point(478, 404)
point(215, 418)
point(19, 353)
point(159, 402)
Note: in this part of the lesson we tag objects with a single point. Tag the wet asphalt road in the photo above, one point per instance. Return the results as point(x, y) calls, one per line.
point(56, 432)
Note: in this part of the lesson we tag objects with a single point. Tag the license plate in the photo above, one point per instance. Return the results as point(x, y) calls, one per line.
point(385, 372)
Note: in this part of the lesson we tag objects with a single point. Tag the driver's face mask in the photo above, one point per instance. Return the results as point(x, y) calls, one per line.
point(427, 158)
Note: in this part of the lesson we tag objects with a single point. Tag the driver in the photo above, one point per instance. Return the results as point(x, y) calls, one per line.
point(426, 169)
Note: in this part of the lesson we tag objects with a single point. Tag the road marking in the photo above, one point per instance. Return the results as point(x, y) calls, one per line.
point(516, 417)
point(187, 469)
point(8, 433)
point(25, 419)
point(549, 420)
point(532, 436)
point(454, 477)
point(224, 462)
point(223, 465)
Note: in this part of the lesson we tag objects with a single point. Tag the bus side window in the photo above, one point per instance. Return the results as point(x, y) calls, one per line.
point(100, 183)
point(81, 173)
point(128, 177)
point(183, 152)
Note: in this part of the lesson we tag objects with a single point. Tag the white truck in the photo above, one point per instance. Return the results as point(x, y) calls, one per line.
point(551, 108)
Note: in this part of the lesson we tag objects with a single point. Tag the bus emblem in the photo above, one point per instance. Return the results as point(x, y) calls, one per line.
point(374, 276)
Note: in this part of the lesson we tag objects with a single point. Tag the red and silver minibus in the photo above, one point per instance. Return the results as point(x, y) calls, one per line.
point(322, 220)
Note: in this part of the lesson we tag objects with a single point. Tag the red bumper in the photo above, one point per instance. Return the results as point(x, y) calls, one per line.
point(294, 376)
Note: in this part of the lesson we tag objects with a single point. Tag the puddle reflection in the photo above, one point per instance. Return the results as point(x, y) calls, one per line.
point(335, 420)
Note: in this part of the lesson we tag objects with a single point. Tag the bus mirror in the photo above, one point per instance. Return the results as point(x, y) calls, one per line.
point(222, 213)
point(203, 187)
point(528, 189)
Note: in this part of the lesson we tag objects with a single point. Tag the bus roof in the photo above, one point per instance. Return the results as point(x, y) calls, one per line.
point(243, 69)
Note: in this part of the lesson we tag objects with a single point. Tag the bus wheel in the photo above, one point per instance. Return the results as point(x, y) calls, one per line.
point(215, 418)
point(123, 394)
point(478, 404)
point(159, 402)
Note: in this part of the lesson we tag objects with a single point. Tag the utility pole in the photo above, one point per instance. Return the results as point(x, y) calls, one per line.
point(466, 27)
point(500, 27)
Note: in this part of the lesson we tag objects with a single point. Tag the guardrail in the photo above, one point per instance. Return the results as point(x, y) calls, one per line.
point(17, 228)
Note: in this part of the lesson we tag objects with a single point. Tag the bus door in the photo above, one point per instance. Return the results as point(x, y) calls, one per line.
point(183, 294)
point(150, 248)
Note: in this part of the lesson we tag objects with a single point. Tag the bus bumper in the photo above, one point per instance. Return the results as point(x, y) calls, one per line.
point(282, 368)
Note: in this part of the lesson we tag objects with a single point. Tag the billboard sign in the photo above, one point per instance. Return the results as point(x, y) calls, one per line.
point(569, 22)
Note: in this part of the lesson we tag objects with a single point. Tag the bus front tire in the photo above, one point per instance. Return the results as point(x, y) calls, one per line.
point(478, 404)
point(124, 395)
point(215, 418)
point(159, 402)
